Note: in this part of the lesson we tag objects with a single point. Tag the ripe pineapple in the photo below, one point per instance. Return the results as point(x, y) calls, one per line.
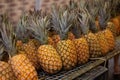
point(82, 50)
point(19, 62)
point(116, 22)
point(23, 44)
point(84, 19)
point(93, 11)
point(112, 28)
point(104, 16)
point(114, 15)
point(56, 38)
point(48, 57)
point(80, 42)
point(6, 72)
point(35, 15)
point(103, 43)
point(65, 47)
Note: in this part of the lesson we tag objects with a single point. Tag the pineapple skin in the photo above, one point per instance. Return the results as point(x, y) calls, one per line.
point(31, 53)
point(23, 68)
point(50, 41)
point(82, 50)
point(6, 72)
point(115, 20)
point(56, 38)
point(94, 47)
point(35, 42)
point(49, 59)
point(67, 51)
point(19, 45)
point(102, 42)
point(112, 28)
point(71, 36)
point(110, 39)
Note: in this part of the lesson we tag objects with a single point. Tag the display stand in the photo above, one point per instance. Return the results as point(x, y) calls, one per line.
point(82, 69)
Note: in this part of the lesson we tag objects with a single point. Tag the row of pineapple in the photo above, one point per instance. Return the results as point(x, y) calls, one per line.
point(73, 40)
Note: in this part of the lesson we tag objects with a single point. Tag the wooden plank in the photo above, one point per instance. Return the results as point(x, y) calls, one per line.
point(92, 74)
point(83, 70)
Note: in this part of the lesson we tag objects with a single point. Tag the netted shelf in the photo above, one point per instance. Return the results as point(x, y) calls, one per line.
point(81, 69)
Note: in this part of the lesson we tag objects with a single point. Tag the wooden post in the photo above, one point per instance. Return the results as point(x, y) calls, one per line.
point(38, 4)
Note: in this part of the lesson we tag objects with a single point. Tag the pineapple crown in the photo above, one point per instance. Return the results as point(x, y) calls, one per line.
point(104, 13)
point(114, 4)
point(73, 8)
point(93, 8)
point(72, 5)
point(38, 26)
point(1, 49)
point(61, 21)
point(83, 17)
point(21, 29)
point(8, 36)
point(75, 28)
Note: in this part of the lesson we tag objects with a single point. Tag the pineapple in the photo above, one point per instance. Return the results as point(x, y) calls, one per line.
point(104, 16)
point(116, 22)
point(112, 28)
point(84, 19)
point(80, 42)
point(34, 15)
point(82, 50)
point(65, 47)
point(19, 62)
point(48, 57)
point(56, 38)
point(6, 72)
point(93, 11)
point(114, 17)
point(23, 44)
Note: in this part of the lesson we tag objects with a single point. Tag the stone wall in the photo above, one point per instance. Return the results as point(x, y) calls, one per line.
point(14, 8)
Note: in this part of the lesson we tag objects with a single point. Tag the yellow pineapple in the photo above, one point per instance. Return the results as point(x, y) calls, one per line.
point(103, 43)
point(19, 62)
point(56, 38)
point(65, 47)
point(93, 11)
point(82, 50)
point(104, 16)
point(84, 19)
point(24, 44)
point(112, 28)
point(34, 15)
point(48, 57)
point(6, 72)
point(80, 42)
